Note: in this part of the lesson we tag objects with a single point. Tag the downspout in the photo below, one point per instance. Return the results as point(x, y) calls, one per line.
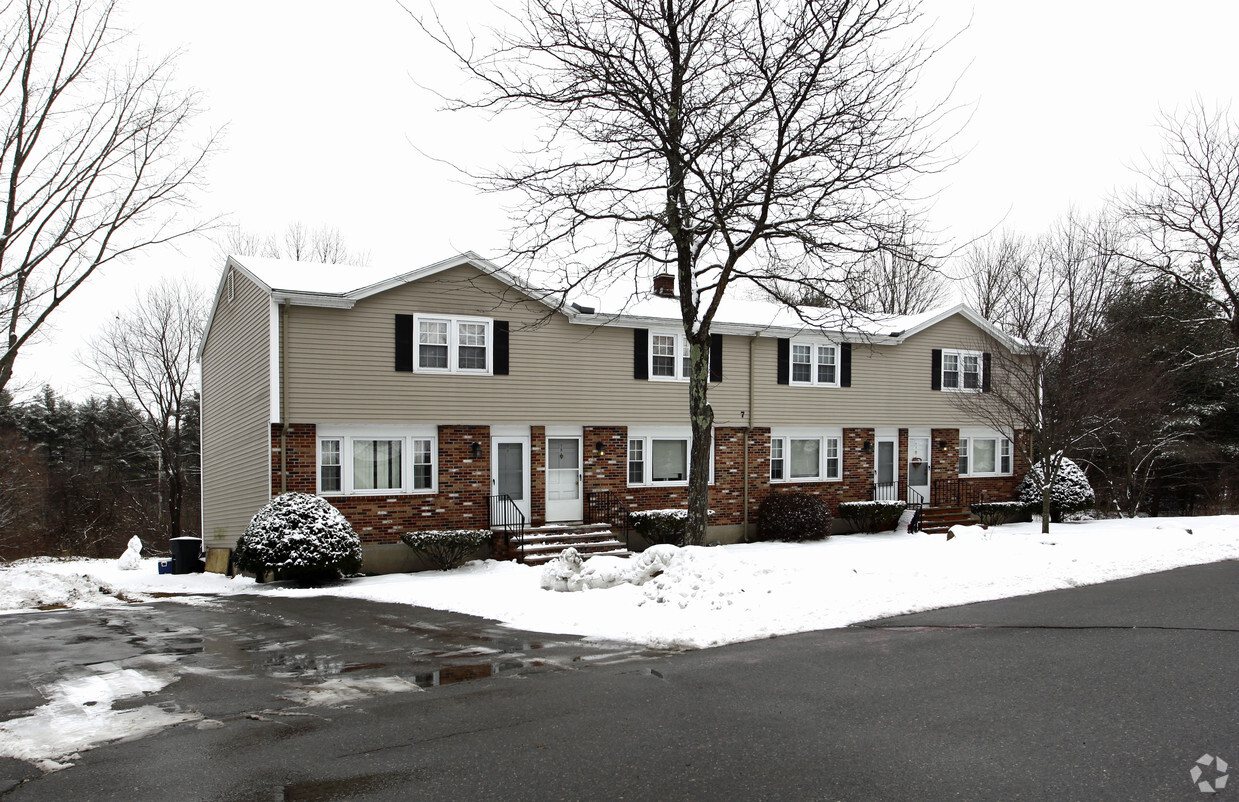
point(283, 319)
point(747, 429)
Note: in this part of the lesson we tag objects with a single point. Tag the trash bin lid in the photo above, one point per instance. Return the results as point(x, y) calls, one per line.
point(188, 537)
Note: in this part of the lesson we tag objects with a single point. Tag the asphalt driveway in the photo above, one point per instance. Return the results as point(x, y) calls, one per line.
point(1110, 691)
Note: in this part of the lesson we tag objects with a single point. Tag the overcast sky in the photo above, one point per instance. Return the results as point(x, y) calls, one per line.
point(324, 122)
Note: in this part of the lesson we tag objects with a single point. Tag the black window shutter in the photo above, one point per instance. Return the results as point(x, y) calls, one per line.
point(404, 342)
point(716, 357)
point(640, 353)
point(845, 364)
point(937, 368)
point(500, 364)
point(785, 358)
point(986, 359)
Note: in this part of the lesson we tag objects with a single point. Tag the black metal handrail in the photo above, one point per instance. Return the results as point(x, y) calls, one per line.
point(884, 491)
point(954, 493)
point(889, 491)
point(606, 507)
point(506, 516)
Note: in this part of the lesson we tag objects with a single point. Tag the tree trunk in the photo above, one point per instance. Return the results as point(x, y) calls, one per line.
point(702, 419)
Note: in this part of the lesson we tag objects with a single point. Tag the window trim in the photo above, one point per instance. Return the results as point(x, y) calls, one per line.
point(347, 437)
point(1003, 452)
point(681, 354)
point(453, 344)
point(647, 436)
point(961, 354)
point(814, 345)
point(824, 438)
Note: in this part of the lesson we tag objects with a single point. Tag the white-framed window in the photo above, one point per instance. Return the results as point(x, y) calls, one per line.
point(814, 364)
point(805, 457)
point(660, 457)
point(372, 460)
point(669, 360)
point(984, 455)
point(963, 371)
point(453, 344)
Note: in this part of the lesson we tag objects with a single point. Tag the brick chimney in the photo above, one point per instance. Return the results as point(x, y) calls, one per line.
point(664, 285)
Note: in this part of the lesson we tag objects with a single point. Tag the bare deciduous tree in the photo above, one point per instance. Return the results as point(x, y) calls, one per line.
point(725, 141)
point(899, 278)
point(1185, 225)
point(147, 356)
point(299, 243)
point(93, 161)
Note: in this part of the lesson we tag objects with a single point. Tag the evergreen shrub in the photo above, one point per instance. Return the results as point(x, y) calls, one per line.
point(1070, 492)
point(872, 516)
point(446, 549)
point(794, 517)
point(301, 537)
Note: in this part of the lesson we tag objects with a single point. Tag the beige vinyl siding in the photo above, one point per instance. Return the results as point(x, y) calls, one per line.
point(341, 366)
point(236, 412)
point(890, 384)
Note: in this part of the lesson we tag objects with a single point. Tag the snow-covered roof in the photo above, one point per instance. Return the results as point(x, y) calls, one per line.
point(317, 284)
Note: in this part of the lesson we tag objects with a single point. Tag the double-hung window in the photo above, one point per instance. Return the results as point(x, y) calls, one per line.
point(365, 462)
point(814, 363)
point(804, 458)
point(984, 456)
point(658, 458)
point(669, 360)
point(454, 344)
point(963, 371)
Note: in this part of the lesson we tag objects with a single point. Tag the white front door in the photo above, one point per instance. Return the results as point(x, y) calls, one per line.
point(885, 477)
point(918, 469)
point(509, 470)
point(563, 479)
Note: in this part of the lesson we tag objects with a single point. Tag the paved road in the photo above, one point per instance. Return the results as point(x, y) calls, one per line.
point(1105, 692)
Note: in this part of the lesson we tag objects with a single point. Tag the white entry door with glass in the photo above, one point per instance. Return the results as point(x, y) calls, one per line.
point(509, 470)
point(918, 469)
point(563, 479)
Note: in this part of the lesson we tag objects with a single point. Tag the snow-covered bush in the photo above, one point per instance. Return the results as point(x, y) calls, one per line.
point(298, 536)
point(447, 548)
point(997, 513)
point(1070, 492)
point(661, 526)
point(872, 516)
point(794, 517)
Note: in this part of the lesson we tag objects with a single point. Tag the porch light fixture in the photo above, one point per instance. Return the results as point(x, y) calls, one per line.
point(942, 445)
point(868, 447)
point(600, 446)
point(476, 448)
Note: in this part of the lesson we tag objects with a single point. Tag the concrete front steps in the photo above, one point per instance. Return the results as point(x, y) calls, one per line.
point(938, 520)
point(544, 543)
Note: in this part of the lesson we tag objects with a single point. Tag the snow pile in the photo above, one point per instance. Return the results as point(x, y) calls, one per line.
point(26, 587)
point(80, 714)
point(131, 560)
point(667, 574)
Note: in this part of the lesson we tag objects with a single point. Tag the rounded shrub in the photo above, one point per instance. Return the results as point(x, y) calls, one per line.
point(446, 549)
point(872, 516)
point(1070, 492)
point(793, 516)
point(301, 537)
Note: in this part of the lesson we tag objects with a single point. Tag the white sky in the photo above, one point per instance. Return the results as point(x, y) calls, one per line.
point(324, 121)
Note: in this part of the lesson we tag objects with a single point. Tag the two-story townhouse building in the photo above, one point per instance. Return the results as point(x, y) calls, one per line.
point(409, 401)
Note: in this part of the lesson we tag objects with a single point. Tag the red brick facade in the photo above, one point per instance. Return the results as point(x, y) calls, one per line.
point(464, 481)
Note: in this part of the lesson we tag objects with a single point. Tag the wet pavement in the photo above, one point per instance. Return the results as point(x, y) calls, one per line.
point(1114, 691)
point(204, 662)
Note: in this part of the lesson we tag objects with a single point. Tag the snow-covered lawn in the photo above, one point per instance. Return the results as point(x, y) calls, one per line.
point(711, 596)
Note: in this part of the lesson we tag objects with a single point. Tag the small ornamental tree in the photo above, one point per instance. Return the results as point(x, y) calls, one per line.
point(1070, 491)
point(301, 537)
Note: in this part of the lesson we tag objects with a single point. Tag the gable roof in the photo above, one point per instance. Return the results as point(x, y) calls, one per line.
point(341, 286)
